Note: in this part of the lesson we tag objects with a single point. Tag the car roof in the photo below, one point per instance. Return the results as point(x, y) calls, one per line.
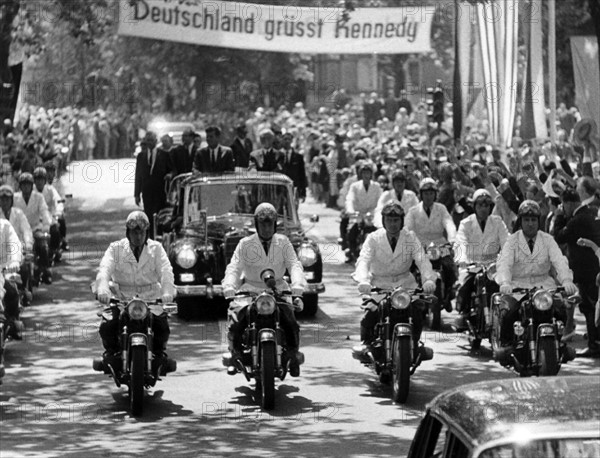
point(245, 176)
point(488, 411)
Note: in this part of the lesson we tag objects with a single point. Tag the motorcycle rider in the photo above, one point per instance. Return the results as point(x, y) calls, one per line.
point(10, 261)
point(526, 261)
point(55, 207)
point(385, 261)
point(362, 198)
point(33, 204)
point(140, 268)
point(429, 220)
point(60, 213)
point(479, 239)
point(19, 222)
point(407, 198)
point(264, 250)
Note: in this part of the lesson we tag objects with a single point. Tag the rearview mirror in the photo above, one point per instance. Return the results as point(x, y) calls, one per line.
point(314, 219)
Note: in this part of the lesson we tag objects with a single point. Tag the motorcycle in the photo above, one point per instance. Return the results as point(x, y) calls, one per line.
point(11, 325)
point(536, 348)
point(42, 240)
point(263, 342)
point(394, 353)
point(364, 225)
point(478, 312)
point(136, 339)
point(435, 253)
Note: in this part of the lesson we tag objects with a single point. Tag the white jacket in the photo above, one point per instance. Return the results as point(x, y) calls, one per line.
point(10, 246)
point(431, 229)
point(472, 245)
point(36, 210)
point(408, 201)
point(250, 260)
point(380, 267)
point(150, 278)
point(55, 207)
point(520, 268)
point(21, 225)
point(361, 200)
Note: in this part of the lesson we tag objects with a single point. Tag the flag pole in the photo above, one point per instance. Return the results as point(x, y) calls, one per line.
point(552, 66)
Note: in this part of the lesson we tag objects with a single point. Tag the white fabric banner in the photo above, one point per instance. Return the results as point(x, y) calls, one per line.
point(584, 50)
point(315, 30)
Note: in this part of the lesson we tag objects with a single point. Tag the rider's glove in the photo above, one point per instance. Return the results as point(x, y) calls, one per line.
point(364, 288)
point(298, 304)
point(228, 293)
point(506, 288)
point(429, 287)
point(104, 298)
point(167, 298)
point(13, 267)
point(570, 288)
point(297, 291)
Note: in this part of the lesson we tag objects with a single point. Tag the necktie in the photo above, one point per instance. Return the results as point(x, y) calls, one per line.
point(428, 211)
point(482, 224)
point(137, 251)
point(531, 243)
point(393, 242)
point(213, 156)
point(265, 244)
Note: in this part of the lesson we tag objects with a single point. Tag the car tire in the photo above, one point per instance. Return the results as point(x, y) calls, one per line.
point(311, 305)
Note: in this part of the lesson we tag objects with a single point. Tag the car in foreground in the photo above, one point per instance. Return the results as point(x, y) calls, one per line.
point(550, 417)
point(210, 214)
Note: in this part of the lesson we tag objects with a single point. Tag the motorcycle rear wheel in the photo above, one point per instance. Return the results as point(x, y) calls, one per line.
point(547, 357)
point(267, 375)
point(136, 382)
point(401, 369)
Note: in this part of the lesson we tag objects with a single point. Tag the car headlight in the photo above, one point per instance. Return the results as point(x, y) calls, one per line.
point(400, 299)
point(137, 310)
point(265, 304)
point(186, 257)
point(543, 300)
point(307, 255)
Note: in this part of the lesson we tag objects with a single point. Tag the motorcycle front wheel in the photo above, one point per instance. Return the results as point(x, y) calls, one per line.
point(401, 368)
point(136, 382)
point(435, 310)
point(267, 375)
point(547, 357)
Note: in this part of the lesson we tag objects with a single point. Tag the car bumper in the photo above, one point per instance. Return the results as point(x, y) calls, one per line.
point(217, 290)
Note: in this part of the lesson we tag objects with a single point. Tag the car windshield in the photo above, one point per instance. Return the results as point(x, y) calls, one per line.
point(239, 198)
point(547, 448)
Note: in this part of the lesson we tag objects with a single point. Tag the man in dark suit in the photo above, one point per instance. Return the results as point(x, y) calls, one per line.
point(241, 147)
point(573, 222)
point(215, 158)
point(293, 166)
point(266, 159)
point(152, 166)
point(182, 156)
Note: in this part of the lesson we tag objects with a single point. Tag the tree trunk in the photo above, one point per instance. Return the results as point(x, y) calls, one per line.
point(8, 12)
point(595, 11)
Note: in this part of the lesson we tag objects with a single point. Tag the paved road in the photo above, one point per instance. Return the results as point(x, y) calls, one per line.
point(53, 404)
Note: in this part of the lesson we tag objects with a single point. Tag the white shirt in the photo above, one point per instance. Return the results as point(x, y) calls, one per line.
point(473, 245)
point(150, 278)
point(250, 260)
point(520, 267)
point(381, 267)
point(431, 229)
point(360, 200)
point(36, 210)
point(408, 201)
point(10, 246)
point(53, 200)
point(19, 222)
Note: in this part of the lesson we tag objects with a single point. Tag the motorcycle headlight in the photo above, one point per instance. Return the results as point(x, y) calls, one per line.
point(543, 300)
point(307, 255)
point(400, 299)
point(265, 304)
point(369, 219)
point(186, 257)
point(137, 310)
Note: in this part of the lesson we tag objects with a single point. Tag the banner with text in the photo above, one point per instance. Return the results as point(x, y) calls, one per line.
point(314, 30)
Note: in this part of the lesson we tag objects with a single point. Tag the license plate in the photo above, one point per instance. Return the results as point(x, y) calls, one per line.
point(309, 275)
point(187, 278)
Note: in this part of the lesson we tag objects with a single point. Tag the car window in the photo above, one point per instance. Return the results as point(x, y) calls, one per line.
point(429, 440)
point(223, 198)
point(553, 448)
